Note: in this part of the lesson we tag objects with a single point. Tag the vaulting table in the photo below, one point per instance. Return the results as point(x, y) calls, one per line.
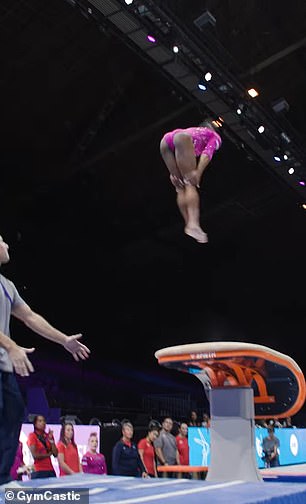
point(243, 381)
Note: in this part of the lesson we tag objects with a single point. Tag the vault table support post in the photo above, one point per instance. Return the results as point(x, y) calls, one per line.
point(232, 435)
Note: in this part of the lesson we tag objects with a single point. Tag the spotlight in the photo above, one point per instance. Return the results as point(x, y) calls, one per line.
point(206, 19)
point(291, 171)
point(280, 105)
point(202, 86)
point(277, 158)
point(208, 76)
point(151, 39)
point(304, 206)
point(285, 137)
point(128, 2)
point(241, 108)
point(218, 122)
point(285, 157)
point(175, 49)
point(252, 92)
point(261, 129)
point(302, 183)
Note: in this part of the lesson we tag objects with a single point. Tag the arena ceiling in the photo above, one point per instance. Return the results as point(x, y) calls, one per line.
point(85, 195)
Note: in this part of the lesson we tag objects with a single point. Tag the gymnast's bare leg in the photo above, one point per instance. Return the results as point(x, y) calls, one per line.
point(182, 165)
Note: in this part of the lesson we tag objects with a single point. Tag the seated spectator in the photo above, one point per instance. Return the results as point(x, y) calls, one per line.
point(93, 462)
point(42, 446)
point(68, 455)
point(126, 460)
point(193, 420)
point(275, 423)
point(288, 423)
point(206, 421)
point(262, 424)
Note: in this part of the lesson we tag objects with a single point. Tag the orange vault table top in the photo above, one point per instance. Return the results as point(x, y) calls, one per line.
point(276, 379)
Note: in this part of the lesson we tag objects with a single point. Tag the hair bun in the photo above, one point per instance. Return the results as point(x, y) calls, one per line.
point(154, 425)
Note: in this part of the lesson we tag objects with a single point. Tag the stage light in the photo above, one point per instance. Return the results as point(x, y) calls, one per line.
point(202, 86)
point(280, 105)
point(261, 129)
point(304, 206)
point(175, 49)
point(218, 123)
point(252, 92)
point(208, 76)
point(128, 2)
point(277, 158)
point(291, 171)
point(285, 157)
point(205, 20)
point(151, 39)
point(285, 137)
point(302, 183)
point(241, 108)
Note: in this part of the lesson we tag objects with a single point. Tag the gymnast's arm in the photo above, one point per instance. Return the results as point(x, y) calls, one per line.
point(194, 177)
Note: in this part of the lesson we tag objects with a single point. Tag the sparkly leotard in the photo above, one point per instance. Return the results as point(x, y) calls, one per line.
point(205, 140)
point(94, 463)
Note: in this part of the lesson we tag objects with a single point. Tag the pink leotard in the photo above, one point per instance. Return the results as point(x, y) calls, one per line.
point(205, 140)
point(94, 463)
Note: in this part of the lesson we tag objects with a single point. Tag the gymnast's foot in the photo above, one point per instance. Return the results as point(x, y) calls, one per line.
point(197, 233)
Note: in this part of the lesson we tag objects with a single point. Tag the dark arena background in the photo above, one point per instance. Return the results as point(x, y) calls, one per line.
point(96, 240)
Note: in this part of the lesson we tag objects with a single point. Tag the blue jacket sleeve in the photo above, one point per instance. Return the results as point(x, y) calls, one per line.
point(116, 458)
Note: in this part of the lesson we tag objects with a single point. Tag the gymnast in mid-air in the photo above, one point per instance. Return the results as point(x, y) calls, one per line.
point(187, 153)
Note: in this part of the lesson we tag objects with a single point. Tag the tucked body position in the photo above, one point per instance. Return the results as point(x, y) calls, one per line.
point(187, 153)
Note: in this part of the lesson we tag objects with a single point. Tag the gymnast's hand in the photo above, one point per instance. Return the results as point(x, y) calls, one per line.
point(177, 182)
point(77, 349)
point(192, 178)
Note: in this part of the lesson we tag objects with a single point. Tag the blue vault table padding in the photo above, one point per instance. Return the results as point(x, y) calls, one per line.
point(127, 490)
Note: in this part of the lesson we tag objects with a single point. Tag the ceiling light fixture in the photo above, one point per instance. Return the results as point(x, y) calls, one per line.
point(252, 92)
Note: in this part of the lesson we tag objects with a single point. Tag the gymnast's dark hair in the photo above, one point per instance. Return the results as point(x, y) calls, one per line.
point(154, 425)
point(62, 434)
point(208, 123)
